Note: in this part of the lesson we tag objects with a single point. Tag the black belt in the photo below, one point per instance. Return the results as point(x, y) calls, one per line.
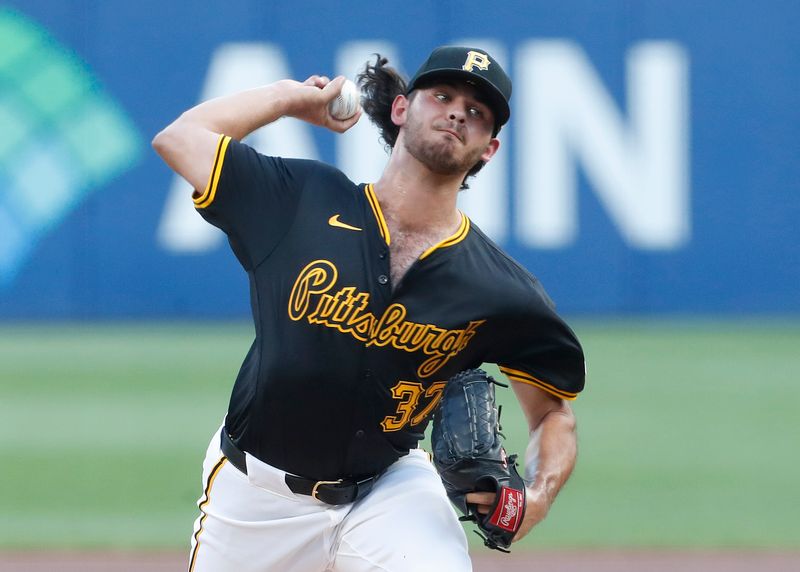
point(329, 492)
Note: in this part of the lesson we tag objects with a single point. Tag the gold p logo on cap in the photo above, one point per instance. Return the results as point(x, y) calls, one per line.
point(476, 60)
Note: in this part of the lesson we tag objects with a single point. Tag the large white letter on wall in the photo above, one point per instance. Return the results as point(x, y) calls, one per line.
point(638, 168)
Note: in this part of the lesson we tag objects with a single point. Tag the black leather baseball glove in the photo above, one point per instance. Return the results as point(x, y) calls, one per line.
point(468, 453)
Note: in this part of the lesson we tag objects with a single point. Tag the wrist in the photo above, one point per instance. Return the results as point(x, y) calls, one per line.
point(285, 97)
point(538, 502)
point(298, 100)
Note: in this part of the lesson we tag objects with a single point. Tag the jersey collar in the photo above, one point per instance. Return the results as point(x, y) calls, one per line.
point(459, 235)
point(369, 189)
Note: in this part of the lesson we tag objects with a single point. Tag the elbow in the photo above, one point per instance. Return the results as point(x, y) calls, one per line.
point(570, 415)
point(158, 141)
point(559, 416)
point(566, 417)
point(174, 137)
point(175, 141)
point(164, 141)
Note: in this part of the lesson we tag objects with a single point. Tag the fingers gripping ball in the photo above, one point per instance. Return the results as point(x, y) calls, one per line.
point(347, 103)
point(469, 455)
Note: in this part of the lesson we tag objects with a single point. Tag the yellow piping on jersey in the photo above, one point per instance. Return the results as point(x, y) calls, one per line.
point(458, 236)
point(210, 192)
point(521, 376)
point(214, 472)
point(376, 210)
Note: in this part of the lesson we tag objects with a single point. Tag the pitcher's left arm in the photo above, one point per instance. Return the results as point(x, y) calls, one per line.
point(550, 457)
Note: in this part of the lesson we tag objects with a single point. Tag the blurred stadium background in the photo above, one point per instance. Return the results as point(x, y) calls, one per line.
point(649, 176)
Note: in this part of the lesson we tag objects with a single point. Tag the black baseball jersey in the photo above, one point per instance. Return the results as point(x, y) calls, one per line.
point(346, 369)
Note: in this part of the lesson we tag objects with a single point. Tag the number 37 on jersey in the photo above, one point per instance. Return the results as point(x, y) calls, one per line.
point(414, 405)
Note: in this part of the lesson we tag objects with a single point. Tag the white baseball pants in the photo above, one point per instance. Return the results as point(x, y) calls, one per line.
point(254, 523)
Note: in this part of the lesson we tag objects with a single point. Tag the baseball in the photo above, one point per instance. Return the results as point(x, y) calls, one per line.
point(346, 103)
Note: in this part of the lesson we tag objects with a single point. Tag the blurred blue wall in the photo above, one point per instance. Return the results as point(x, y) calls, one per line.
point(651, 164)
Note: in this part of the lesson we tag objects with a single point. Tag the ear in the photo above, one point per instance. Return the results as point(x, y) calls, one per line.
point(400, 110)
point(490, 150)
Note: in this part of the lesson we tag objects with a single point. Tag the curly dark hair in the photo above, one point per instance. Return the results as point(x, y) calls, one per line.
point(380, 85)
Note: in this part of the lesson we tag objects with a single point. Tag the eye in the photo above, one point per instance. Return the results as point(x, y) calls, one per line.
point(441, 96)
point(475, 112)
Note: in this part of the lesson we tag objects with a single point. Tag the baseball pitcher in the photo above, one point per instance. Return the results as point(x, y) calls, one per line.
point(373, 304)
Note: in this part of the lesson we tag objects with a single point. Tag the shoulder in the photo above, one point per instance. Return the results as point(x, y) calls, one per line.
point(318, 171)
point(489, 259)
point(492, 274)
point(299, 170)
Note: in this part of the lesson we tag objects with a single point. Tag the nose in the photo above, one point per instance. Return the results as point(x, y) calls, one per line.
point(457, 116)
point(457, 113)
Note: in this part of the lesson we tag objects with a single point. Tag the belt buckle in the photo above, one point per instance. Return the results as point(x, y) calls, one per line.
point(319, 484)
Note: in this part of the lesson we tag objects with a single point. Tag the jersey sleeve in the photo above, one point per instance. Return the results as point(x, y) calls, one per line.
point(252, 198)
point(540, 349)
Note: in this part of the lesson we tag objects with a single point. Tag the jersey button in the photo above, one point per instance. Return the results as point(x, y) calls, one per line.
point(383, 254)
point(383, 279)
point(360, 433)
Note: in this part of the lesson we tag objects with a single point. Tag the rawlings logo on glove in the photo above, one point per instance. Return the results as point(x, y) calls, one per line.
point(508, 514)
point(468, 453)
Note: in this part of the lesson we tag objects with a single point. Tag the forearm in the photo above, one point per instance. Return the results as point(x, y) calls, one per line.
point(240, 114)
point(188, 144)
point(551, 456)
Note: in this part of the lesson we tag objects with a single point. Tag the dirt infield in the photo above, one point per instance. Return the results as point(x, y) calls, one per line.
point(583, 561)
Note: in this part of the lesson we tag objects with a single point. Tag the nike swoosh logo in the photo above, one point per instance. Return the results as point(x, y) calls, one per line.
point(334, 221)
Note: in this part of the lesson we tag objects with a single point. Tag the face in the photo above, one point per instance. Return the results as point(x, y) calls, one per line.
point(448, 128)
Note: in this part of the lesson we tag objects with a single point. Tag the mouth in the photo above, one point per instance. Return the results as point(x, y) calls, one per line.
point(453, 133)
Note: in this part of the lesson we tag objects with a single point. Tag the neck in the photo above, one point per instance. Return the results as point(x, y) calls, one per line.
point(415, 198)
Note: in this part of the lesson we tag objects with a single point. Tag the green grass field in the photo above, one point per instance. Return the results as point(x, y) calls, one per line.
point(688, 434)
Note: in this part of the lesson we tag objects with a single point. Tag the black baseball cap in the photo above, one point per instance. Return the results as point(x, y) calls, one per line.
point(473, 65)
